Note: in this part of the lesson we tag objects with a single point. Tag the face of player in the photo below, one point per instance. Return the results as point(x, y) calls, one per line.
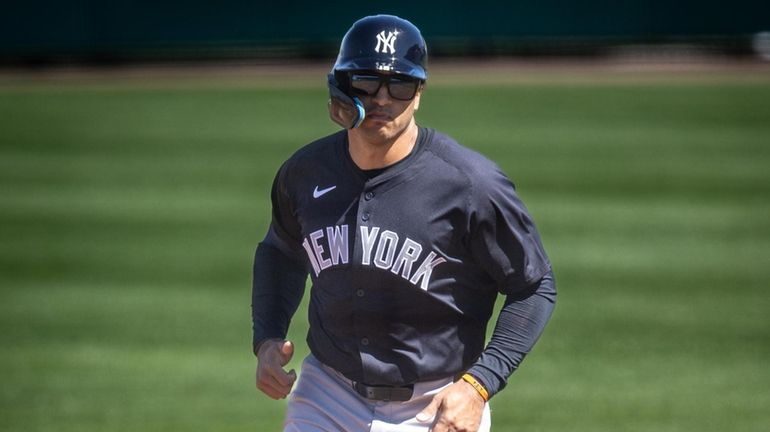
point(387, 117)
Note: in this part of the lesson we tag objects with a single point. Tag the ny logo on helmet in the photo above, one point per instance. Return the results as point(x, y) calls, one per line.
point(386, 44)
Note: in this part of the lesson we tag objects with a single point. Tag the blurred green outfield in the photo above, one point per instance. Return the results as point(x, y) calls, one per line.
point(129, 214)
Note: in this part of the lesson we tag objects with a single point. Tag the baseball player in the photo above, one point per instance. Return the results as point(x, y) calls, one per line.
point(408, 238)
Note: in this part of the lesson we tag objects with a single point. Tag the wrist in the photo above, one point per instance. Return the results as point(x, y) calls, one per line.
point(470, 379)
point(259, 345)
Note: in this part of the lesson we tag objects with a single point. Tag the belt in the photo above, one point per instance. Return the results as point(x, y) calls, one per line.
point(384, 393)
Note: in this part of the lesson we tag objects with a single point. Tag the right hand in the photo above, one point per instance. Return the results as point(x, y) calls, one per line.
point(272, 379)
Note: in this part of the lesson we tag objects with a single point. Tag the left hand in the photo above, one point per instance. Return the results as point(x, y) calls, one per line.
point(457, 408)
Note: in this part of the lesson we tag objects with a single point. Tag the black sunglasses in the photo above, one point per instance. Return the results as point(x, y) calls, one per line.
point(399, 87)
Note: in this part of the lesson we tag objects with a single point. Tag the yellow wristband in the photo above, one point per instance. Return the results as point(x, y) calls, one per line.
point(477, 385)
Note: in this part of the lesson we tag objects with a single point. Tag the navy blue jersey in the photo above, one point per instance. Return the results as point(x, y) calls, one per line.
point(405, 266)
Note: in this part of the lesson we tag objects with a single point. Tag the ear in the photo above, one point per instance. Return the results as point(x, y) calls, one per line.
point(417, 99)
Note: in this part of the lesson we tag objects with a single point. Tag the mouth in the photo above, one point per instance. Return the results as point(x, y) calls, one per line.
point(378, 116)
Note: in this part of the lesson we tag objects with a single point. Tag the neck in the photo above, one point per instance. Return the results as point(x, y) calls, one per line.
point(373, 154)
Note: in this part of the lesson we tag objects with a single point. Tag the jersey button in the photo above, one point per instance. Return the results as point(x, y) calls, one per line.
point(365, 216)
point(369, 195)
point(365, 341)
point(360, 293)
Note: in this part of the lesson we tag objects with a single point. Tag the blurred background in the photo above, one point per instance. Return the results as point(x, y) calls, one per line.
point(138, 142)
point(116, 32)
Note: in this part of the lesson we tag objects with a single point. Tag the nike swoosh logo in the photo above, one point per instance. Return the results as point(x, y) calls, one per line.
point(319, 193)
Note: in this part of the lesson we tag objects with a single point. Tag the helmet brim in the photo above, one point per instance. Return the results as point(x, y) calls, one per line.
point(376, 64)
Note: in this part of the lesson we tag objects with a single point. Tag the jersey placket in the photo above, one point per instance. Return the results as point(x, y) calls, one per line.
point(368, 218)
point(364, 216)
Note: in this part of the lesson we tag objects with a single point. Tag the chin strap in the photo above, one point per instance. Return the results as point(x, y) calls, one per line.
point(344, 110)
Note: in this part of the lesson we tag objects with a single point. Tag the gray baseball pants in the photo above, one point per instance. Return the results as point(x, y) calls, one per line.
point(324, 400)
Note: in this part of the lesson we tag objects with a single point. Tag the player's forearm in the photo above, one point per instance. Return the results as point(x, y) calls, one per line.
point(277, 288)
point(519, 325)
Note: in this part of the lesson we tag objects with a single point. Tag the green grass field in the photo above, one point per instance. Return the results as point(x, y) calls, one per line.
point(129, 214)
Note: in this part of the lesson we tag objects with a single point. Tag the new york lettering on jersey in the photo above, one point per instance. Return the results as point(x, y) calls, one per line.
point(383, 249)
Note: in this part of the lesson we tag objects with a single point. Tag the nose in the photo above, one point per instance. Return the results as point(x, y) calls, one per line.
point(382, 96)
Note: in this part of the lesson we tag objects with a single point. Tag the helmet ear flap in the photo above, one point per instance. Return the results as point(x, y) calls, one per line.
point(344, 110)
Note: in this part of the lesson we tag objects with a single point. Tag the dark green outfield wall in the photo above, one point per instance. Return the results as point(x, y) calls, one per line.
point(82, 27)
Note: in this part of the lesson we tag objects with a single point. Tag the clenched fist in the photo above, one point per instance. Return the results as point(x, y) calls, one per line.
point(272, 379)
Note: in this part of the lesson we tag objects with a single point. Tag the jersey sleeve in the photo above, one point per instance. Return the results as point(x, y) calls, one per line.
point(519, 325)
point(284, 233)
point(502, 235)
point(279, 271)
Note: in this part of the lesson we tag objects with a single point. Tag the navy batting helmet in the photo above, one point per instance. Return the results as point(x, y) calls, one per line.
point(384, 43)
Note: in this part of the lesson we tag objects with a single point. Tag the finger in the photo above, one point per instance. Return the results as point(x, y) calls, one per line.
point(278, 377)
point(269, 390)
point(272, 387)
point(287, 351)
point(286, 378)
point(273, 392)
point(267, 386)
point(427, 414)
point(441, 426)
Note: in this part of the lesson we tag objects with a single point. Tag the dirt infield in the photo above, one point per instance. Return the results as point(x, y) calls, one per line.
point(442, 72)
